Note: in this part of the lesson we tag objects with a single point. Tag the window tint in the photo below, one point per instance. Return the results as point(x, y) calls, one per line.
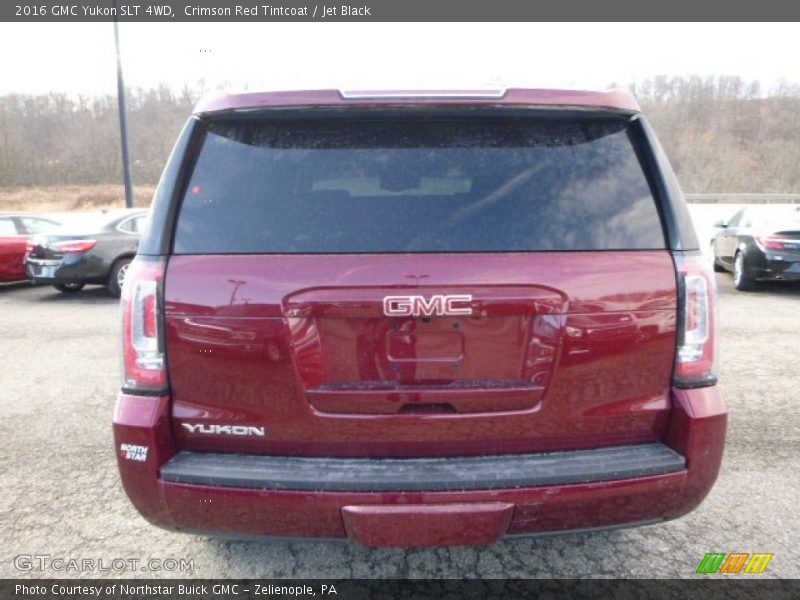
point(734, 222)
point(777, 216)
point(7, 226)
point(337, 185)
point(91, 223)
point(135, 225)
point(140, 223)
point(33, 225)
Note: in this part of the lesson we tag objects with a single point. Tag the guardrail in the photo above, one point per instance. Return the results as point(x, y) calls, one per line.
point(742, 198)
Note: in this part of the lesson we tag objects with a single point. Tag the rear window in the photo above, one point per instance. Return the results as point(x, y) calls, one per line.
point(134, 225)
point(89, 223)
point(376, 186)
point(776, 217)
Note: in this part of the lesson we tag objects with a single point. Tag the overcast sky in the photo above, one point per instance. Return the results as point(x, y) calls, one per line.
point(78, 58)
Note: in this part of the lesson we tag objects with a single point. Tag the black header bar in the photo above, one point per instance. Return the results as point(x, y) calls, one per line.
point(396, 10)
point(732, 587)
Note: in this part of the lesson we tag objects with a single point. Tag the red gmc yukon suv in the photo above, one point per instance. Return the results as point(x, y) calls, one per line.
point(418, 319)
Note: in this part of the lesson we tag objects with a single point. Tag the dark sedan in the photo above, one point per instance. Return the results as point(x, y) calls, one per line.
point(95, 251)
point(759, 244)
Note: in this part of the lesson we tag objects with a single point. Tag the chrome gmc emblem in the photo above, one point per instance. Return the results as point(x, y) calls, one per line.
point(455, 305)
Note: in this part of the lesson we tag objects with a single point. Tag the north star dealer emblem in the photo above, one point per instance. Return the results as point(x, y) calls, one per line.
point(133, 452)
point(224, 429)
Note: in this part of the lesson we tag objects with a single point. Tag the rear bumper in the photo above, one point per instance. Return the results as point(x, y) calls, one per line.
point(773, 266)
point(180, 491)
point(421, 474)
point(73, 268)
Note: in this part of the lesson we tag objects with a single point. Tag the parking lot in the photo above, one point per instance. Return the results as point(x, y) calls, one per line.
point(59, 374)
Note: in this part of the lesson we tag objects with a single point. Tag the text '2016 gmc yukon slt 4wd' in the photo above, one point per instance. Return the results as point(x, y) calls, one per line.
point(418, 319)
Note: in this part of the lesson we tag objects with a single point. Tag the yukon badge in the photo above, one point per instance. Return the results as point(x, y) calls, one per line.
point(224, 429)
point(454, 305)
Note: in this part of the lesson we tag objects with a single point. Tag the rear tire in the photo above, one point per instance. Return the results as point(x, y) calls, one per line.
point(741, 281)
point(718, 268)
point(117, 276)
point(69, 288)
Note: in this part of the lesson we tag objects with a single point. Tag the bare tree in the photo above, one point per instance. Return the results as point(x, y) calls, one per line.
point(722, 134)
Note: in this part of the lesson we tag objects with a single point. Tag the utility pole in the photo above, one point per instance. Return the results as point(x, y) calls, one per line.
point(123, 121)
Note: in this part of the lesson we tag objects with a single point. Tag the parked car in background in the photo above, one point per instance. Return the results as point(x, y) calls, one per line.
point(759, 244)
point(16, 230)
point(97, 250)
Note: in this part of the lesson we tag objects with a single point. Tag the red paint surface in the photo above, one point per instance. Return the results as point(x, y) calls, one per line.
point(12, 257)
point(557, 355)
point(296, 344)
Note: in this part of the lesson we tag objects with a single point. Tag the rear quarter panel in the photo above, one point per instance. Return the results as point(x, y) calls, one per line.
point(12, 257)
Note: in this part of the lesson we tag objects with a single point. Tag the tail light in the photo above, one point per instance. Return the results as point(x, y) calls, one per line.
point(770, 243)
point(29, 246)
point(144, 365)
point(75, 246)
point(696, 350)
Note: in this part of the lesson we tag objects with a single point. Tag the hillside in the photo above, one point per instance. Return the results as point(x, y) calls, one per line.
point(60, 153)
